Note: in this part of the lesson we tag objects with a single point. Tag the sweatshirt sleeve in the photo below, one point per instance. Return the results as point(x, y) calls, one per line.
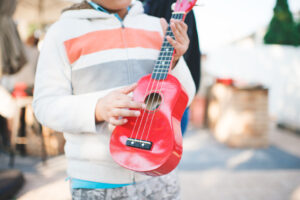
point(54, 104)
point(183, 74)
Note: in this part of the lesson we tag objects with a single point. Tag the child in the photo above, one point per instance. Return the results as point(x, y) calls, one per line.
point(89, 55)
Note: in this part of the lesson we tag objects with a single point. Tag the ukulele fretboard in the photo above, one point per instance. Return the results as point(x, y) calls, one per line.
point(163, 62)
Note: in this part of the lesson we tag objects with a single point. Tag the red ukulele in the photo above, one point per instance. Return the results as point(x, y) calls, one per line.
point(152, 143)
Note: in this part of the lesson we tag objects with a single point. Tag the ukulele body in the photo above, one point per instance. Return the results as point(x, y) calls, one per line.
point(152, 143)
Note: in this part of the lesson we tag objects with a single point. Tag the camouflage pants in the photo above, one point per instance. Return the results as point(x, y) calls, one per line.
point(157, 188)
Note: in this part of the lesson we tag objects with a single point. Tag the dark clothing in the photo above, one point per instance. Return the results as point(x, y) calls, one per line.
point(162, 8)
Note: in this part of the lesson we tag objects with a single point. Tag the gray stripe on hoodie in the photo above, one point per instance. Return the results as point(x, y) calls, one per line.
point(109, 75)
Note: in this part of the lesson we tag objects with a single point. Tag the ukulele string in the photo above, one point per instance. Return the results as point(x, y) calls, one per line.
point(145, 110)
point(180, 17)
point(164, 67)
point(157, 83)
point(147, 101)
point(151, 90)
point(156, 95)
point(153, 99)
point(136, 120)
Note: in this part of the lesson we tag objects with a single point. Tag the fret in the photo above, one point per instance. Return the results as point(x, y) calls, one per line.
point(158, 76)
point(167, 57)
point(168, 52)
point(162, 72)
point(164, 59)
point(166, 69)
point(159, 65)
point(167, 46)
point(157, 68)
point(161, 68)
point(163, 62)
point(167, 49)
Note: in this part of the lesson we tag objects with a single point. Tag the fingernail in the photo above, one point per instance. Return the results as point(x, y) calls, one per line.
point(125, 120)
point(144, 106)
point(137, 113)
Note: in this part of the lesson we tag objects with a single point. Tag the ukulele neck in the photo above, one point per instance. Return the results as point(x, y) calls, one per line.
point(164, 61)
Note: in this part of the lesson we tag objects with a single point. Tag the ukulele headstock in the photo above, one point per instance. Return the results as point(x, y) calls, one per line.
point(184, 5)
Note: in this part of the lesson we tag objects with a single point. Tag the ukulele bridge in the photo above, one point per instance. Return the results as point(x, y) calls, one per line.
point(141, 144)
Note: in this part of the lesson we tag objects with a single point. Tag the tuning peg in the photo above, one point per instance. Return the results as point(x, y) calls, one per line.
point(173, 6)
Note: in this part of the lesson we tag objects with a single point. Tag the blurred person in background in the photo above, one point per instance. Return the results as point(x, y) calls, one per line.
point(12, 59)
point(7, 112)
point(27, 73)
point(10, 82)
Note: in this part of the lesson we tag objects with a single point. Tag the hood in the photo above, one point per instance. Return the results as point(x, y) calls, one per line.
point(85, 11)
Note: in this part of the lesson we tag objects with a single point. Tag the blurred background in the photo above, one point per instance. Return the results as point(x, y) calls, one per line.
point(243, 137)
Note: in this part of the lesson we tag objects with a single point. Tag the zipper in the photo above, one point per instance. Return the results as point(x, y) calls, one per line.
point(126, 47)
point(133, 177)
point(99, 8)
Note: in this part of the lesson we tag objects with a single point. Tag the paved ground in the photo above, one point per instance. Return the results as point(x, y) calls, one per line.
point(211, 171)
point(208, 171)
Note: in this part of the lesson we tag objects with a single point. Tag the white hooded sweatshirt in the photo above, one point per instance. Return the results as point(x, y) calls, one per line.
point(85, 55)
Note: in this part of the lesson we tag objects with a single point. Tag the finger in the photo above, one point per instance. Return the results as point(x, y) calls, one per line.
point(182, 28)
point(111, 127)
point(173, 43)
point(117, 122)
point(179, 35)
point(128, 103)
point(164, 25)
point(117, 112)
point(179, 51)
point(123, 97)
point(128, 89)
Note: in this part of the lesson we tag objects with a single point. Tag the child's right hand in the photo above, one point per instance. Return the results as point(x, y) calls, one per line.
point(114, 106)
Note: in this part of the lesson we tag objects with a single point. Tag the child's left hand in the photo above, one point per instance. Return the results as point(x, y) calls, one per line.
point(181, 42)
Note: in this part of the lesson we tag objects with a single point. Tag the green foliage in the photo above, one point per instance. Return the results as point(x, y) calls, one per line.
point(298, 27)
point(282, 29)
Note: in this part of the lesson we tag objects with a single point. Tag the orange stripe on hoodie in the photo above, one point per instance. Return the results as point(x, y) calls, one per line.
point(111, 39)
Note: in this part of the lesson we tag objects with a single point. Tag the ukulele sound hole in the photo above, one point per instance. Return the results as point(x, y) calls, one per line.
point(153, 101)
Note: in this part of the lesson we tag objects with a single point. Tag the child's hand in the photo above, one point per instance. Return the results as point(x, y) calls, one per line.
point(115, 105)
point(181, 42)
